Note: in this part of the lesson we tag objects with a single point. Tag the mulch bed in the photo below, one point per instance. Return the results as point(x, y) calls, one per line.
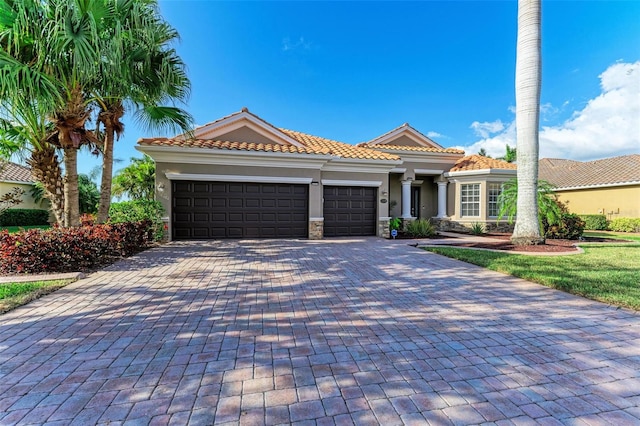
point(503, 242)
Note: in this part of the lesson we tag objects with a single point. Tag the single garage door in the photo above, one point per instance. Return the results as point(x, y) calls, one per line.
point(207, 210)
point(349, 211)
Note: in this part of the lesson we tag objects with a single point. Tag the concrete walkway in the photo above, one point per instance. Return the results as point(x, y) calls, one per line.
point(339, 331)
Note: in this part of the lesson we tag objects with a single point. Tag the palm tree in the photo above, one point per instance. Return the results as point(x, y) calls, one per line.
point(137, 180)
point(528, 81)
point(549, 208)
point(140, 71)
point(510, 156)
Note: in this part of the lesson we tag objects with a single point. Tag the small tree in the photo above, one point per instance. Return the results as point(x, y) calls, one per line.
point(549, 208)
point(510, 156)
point(11, 198)
point(137, 180)
point(483, 153)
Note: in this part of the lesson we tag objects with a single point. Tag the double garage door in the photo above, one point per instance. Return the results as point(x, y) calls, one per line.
point(212, 210)
point(208, 210)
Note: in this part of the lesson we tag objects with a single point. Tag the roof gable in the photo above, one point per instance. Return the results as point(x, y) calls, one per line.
point(403, 136)
point(479, 162)
point(241, 124)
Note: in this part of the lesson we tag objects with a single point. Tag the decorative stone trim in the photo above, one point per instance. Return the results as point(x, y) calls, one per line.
point(383, 228)
point(316, 229)
point(448, 225)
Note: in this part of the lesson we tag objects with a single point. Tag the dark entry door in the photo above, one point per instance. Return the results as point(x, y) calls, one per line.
point(349, 211)
point(415, 202)
point(211, 210)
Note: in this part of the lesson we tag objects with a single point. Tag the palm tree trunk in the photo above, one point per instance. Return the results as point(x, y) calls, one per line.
point(45, 169)
point(71, 193)
point(107, 174)
point(528, 82)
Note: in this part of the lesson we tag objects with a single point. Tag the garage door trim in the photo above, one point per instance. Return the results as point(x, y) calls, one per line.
point(231, 178)
point(341, 182)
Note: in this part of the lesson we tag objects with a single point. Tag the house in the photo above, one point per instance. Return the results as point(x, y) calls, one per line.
point(240, 176)
point(610, 186)
point(15, 175)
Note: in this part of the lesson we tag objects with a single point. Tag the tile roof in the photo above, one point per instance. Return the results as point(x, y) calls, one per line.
point(479, 162)
point(339, 148)
point(13, 172)
point(416, 148)
point(608, 171)
point(227, 145)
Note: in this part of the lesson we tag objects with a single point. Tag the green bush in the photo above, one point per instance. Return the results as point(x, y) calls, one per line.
point(477, 228)
point(625, 224)
point(571, 227)
point(24, 217)
point(139, 210)
point(421, 228)
point(594, 222)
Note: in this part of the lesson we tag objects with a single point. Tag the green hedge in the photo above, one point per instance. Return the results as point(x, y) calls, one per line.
point(625, 224)
point(571, 227)
point(595, 222)
point(24, 217)
point(139, 210)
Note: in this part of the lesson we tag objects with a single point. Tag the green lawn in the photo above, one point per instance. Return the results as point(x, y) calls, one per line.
point(608, 272)
point(13, 295)
point(13, 229)
point(614, 235)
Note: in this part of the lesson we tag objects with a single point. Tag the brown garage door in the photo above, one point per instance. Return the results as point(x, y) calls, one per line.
point(349, 211)
point(207, 210)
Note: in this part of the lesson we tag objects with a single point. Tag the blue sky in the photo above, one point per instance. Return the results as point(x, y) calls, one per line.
point(351, 71)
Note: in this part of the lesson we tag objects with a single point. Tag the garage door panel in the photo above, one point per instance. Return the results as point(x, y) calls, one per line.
point(350, 211)
point(239, 210)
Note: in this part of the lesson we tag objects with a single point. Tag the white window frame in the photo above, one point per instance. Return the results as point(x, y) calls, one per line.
point(474, 202)
point(492, 198)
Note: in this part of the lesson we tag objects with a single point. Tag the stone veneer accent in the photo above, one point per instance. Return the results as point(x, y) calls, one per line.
point(316, 229)
point(383, 228)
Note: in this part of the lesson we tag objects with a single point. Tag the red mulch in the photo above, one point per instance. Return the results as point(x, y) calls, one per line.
point(503, 242)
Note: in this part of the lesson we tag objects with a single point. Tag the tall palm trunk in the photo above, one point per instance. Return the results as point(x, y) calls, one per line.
point(528, 82)
point(71, 192)
point(45, 169)
point(112, 127)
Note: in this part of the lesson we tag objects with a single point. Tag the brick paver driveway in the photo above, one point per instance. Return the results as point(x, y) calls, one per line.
point(344, 331)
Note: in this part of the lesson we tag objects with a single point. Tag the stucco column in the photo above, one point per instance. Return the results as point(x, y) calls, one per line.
point(406, 199)
point(442, 200)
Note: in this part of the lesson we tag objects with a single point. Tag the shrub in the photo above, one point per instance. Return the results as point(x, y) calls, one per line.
point(134, 211)
point(395, 223)
point(420, 228)
point(594, 222)
point(625, 224)
point(571, 227)
point(70, 249)
point(477, 228)
point(24, 217)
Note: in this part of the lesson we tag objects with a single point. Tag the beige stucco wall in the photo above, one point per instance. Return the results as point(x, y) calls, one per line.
point(27, 200)
point(455, 192)
point(623, 201)
point(244, 134)
point(402, 141)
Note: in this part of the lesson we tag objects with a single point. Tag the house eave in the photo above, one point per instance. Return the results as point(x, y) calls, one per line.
point(598, 186)
point(213, 156)
point(503, 172)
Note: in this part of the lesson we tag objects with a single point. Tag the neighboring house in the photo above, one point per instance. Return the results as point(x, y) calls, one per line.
point(240, 176)
point(610, 186)
point(13, 175)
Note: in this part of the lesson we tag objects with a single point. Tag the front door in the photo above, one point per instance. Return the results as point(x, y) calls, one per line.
point(415, 202)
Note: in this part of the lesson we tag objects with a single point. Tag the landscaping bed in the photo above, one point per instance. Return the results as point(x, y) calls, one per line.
point(502, 241)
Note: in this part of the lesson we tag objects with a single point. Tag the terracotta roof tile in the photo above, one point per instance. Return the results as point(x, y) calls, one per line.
point(13, 172)
point(608, 171)
point(479, 162)
point(238, 146)
point(339, 148)
point(416, 148)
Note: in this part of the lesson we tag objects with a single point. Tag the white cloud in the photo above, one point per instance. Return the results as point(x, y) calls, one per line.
point(300, 44)
point(434, 135)
point(486, 128)
point(608, 126)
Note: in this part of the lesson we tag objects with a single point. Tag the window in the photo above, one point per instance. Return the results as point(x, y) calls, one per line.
point(495, 189)
point(470, 199)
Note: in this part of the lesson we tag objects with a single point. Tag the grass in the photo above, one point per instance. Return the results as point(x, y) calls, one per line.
point(614, 235)
point(13, 229)
point(608, 273)
point(13, 295)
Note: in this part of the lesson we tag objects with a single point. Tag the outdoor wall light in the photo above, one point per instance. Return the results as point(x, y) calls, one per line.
point(315, 183)
point(161, 187)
